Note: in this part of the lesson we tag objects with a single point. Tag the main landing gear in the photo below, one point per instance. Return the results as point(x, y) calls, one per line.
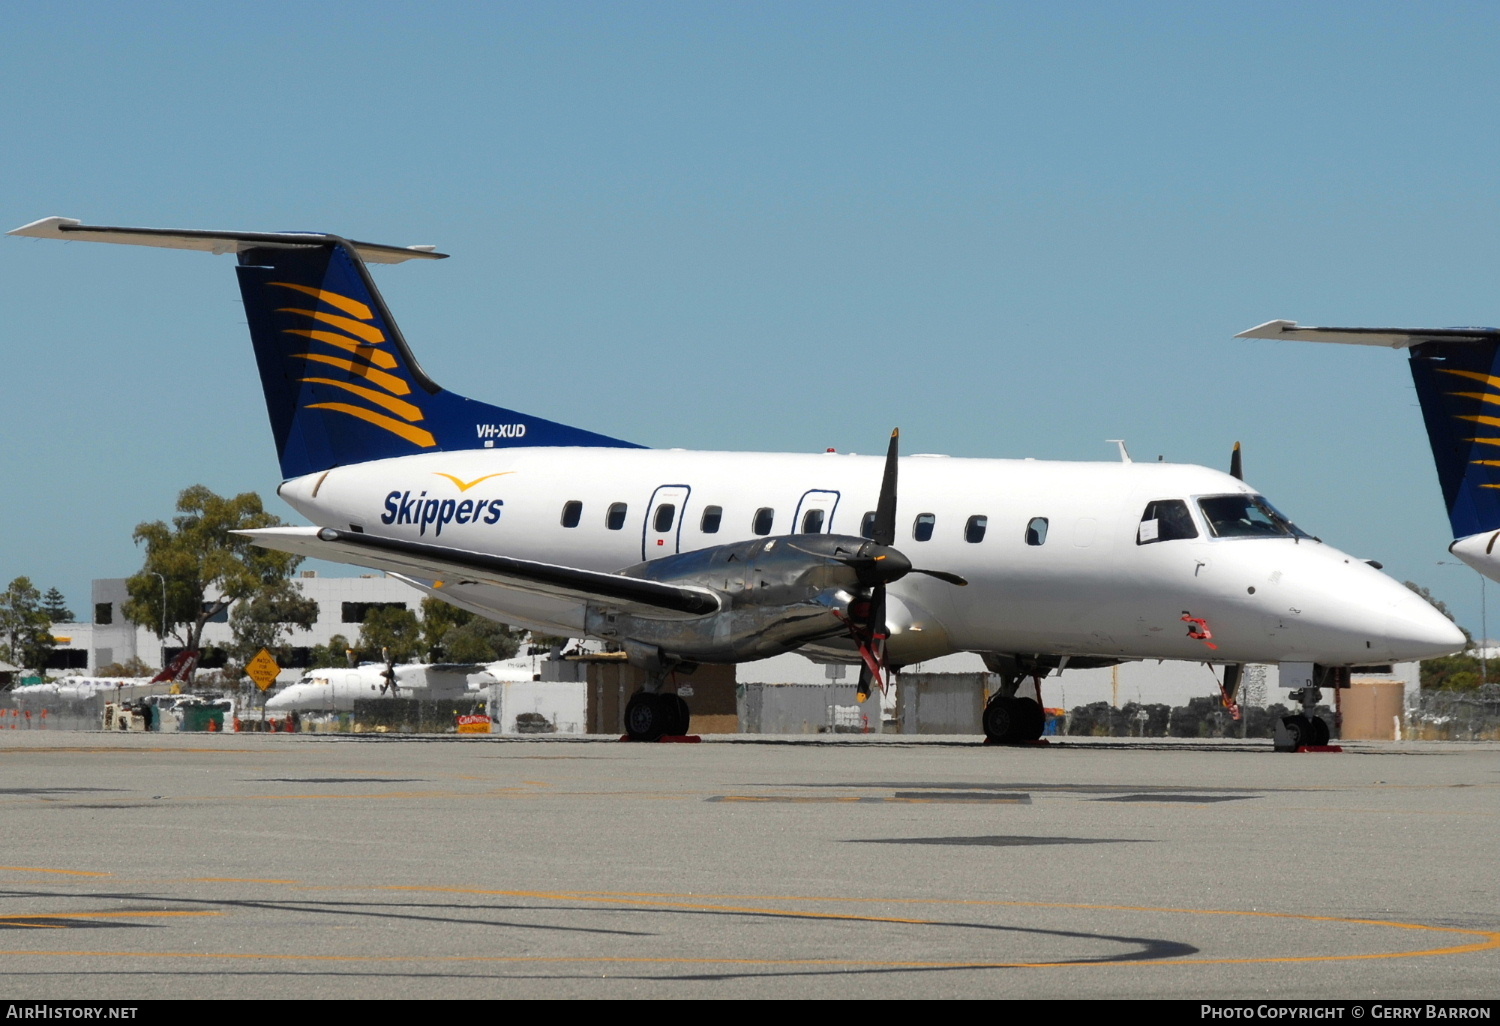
point(651, 716)
point(1009, 718)
point(1013, 720)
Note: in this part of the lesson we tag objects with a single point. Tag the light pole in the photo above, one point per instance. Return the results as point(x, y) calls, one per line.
point(162, 634)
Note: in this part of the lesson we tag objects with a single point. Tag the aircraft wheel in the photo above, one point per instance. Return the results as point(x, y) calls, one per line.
point(1319, 734)
point(1299, 729)
point(1002, 720)
point(647, 716)
point(679, 716)
point(1031, 721)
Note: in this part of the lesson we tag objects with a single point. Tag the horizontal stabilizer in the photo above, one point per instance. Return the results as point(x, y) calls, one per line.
point(68, 228)
point(1393, 338)
point(422, 559)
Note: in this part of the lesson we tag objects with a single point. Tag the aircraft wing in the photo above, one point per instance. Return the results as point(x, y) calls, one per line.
point(423, 559)
point(1395, 338)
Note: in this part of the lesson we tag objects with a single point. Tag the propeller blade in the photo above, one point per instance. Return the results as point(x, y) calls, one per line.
point(871, 670)
point(1236, 465)
point(941, 575)
point(885, 509)
point(388, 677)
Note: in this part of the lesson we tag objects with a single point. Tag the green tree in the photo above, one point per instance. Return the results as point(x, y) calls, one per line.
point(480, 641)
point(335, 653)
point(392, 628)
point(266, 619)
point(205, 566)
point(56, 607)
point(25, 625)
point(438, 618)
point(1455, 673)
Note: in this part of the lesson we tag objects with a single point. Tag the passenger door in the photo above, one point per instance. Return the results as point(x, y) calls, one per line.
point(663, 529)
point(815, 512)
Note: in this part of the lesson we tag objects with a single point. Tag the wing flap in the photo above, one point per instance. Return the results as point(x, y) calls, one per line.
point(422, 559)
point(206, 241)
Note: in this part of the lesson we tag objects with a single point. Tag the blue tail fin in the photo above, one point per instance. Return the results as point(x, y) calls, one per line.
point(1458, 385)
point(341, 384)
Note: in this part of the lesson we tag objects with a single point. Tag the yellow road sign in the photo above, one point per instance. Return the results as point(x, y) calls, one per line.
point(263, 669)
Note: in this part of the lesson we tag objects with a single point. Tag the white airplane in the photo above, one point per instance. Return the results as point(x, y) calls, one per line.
point(72, 688)
point(336, 689)
point(683, 557)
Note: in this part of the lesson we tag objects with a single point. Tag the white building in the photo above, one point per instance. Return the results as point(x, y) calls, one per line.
point(1146, 682)
point(342, 602)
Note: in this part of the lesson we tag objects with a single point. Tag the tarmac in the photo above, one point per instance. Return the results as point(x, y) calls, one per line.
point(201, 866)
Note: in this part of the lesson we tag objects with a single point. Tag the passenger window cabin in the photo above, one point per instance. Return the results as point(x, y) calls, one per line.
point(665, 514)
point(1165, 520)
point(812, 522)
point(975, 528)
point(712, 517)
point(867, 525)
point(572, 513)
point(765, 517)
point(615, 519)
point(921, 528)
point(1036, 531)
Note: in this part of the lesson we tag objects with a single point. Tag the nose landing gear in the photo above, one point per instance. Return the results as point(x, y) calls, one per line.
point(1307, 731)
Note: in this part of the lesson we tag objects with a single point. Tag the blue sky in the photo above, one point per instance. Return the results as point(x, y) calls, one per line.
point(1011, 229)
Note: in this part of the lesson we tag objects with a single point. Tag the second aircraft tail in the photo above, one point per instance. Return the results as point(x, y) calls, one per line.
point(1457, 375)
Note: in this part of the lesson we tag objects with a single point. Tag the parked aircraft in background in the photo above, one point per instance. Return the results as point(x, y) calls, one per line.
point(681, 558)
point(176, 672)
point(1457, 374)
point(336, 689)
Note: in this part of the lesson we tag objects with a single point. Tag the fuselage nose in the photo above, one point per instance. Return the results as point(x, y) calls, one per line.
point(1373, 617)
point(1416, 630)
point(285, 699)
point(1314, 603)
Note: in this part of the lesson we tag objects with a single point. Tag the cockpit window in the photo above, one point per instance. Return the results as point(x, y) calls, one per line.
point(1246, 516)
point(1165, 520)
